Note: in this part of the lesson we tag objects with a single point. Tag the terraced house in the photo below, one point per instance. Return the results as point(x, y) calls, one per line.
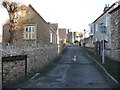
point(31, 28)
point(106, 28)
point(102, 31)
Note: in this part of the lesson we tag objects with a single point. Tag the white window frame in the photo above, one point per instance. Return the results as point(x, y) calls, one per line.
point(51, 37)
point(30, 32)
point(96, 27)
point(106, 21)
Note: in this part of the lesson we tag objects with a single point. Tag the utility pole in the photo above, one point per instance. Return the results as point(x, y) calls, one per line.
point(103, 54)
point(103, 30)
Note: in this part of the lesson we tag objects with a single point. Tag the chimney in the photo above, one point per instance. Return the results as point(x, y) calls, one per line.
point(106, 7)
point(23, 10)
point(68, 30)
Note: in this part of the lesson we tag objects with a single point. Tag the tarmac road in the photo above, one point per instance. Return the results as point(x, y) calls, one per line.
point(67, 73)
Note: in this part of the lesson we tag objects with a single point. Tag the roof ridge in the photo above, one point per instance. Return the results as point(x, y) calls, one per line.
point(104, 12)
point(37, 12)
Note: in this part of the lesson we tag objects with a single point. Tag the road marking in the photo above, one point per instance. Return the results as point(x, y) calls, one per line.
point(74, 58)
point(18, 89)
point(104, 69)
point(31, 79)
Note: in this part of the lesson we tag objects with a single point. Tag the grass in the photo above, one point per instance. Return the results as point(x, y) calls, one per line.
point(112, 66)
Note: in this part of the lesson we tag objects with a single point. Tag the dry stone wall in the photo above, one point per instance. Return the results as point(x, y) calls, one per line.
point(13, 70)
point(38, 56)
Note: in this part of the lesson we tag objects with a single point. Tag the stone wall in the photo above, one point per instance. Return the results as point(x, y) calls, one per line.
point(38, 56)
point(108, 53)
point(0, 67)
point(115, 34)
point(13, 70)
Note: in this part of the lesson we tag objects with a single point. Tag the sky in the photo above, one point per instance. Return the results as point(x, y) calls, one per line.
point(74, 14)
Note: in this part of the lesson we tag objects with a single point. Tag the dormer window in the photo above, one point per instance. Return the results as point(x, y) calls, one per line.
point(29, 32)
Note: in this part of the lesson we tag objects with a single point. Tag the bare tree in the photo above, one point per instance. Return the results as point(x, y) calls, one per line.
point(80, 34)
point(12, 9)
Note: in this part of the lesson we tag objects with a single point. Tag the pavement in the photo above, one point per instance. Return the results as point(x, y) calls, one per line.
point(67, 73)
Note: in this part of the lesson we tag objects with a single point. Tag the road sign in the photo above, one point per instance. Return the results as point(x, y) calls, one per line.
point(103, 29)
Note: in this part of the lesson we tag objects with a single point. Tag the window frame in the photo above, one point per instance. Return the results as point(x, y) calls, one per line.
point(51, 37)
point(107, 18)
point(29, 32)
point(96, 27)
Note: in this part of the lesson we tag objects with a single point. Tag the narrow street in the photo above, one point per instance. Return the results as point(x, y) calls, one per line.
point(45, 45)
point(69, 74)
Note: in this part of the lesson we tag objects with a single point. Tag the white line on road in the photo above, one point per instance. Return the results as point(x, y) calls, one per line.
point(74, 58)
point(104, 69)
point(31, 79)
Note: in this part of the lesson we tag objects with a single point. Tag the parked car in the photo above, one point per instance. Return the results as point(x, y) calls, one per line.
point(68, 44)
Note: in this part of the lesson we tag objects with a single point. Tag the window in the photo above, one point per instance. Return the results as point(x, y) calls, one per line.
point(107, 20)
point(29, 32)
point(96, 27)
point(51, 38)
point(91, 27)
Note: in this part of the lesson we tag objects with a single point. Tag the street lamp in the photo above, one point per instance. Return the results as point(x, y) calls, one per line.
point(103, 30)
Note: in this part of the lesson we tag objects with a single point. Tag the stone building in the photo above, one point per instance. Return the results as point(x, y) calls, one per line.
point(62, 35)
point(0, 38)
point(115, 33)
point(54, 36)
point(88, 42)
point(71, 36)
point(31, 28)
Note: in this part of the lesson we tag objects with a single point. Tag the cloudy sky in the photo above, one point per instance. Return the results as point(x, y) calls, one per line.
point(74, 14)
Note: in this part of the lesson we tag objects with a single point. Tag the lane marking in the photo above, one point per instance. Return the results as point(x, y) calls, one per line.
point(32, 78)
point(104, 69)
point(74, 58)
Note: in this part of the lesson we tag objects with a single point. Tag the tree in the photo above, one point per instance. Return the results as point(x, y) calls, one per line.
point(12, 9)
point(76, 41)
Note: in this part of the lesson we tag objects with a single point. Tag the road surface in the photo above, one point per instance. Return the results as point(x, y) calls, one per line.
point(67, 73)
